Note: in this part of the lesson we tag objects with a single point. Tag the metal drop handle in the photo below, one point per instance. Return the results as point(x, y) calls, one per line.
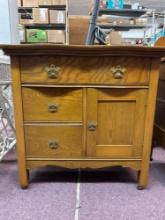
point(92, 126)
point(118, 72)
point(53, 108)
point(53, 71)
point(53, 144)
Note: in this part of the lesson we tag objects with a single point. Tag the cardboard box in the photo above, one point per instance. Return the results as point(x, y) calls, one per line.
point(58, 2)
point(141, 21)
point(26, 21)
point(57, 17)
point(25, 16)
point(19, 3)
point(36, 36)
point(30, 3)
point(56, 36)
point(114, 39)
point(78, 29)
point(45, 2)
point(21, 31)
point(40, 16)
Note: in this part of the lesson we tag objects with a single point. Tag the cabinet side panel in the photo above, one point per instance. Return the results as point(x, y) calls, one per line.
point(149, 121)
point(17, 99)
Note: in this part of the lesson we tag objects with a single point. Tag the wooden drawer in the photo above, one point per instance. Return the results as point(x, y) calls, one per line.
point(82, 70)
point(53, 141)
point(52, 104)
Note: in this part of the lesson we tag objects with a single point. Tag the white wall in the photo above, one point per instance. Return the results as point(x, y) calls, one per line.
point(5, 35)
point(13, 17)
point(8, 25)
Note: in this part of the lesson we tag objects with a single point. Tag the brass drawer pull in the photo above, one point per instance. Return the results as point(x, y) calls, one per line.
point(92, 126)
point(53, 144)
point(53, 71)
point(118, 72)
point(53, 108)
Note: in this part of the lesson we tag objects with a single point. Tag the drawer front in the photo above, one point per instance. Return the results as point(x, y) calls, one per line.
point(86, 70)
point(52, 104)
point(53, 141)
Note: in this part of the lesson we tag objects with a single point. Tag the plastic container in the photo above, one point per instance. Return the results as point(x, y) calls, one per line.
point(111, 4)
point(120, 4)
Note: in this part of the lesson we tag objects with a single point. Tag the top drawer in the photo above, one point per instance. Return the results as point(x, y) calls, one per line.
point(85, 70)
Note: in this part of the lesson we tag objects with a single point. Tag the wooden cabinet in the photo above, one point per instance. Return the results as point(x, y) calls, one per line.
point(117, 116)
point(84, 107)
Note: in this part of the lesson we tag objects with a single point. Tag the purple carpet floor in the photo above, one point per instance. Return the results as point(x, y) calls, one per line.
point(109, 194)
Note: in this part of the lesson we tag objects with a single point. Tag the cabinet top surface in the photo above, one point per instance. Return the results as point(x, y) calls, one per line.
point(50, 49)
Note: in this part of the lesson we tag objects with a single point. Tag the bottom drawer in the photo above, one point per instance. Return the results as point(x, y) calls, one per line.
point(53, 141)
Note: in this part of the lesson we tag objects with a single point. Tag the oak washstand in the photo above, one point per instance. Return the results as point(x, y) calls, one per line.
point(84, 107)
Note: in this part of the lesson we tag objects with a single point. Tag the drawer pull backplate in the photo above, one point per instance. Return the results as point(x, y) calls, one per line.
point(53, 108)
point(53, 71)
point(118, 72)
point(92, 126)
point(53, 144)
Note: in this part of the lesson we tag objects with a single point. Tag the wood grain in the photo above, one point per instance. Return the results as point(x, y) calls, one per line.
point(149, 122)
point(68, 101)
point(82, 51)
point(92, 164)
point(119, 115)
point(121, 110)
point(78, 29)
point(91, 118)
point(18, 112)
point(38, 139)
point(85, 71)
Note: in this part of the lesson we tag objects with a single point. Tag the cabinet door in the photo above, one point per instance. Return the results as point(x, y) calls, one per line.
point(115, 122)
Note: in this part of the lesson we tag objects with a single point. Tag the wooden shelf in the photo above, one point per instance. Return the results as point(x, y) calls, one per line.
point(47, 26)
point(122, 27)
point(40, 43)
point(59, 7)
point(122, 12)
point(24, 9)
point(29, 9)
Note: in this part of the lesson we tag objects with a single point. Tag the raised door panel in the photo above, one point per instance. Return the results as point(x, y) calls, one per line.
point(117, 116)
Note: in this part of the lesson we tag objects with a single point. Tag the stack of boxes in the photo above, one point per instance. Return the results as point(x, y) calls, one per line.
point(40, 16)
point(47, 17)
point(36, 3)
point(30, 3)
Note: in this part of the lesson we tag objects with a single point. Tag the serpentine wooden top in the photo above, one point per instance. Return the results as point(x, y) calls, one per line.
point(52, 49)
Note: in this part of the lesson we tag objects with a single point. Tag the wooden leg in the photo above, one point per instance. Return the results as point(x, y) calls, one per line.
point(24, 180)
point(142, 179)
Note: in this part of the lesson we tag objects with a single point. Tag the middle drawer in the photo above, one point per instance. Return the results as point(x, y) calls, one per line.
point(52, 104)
